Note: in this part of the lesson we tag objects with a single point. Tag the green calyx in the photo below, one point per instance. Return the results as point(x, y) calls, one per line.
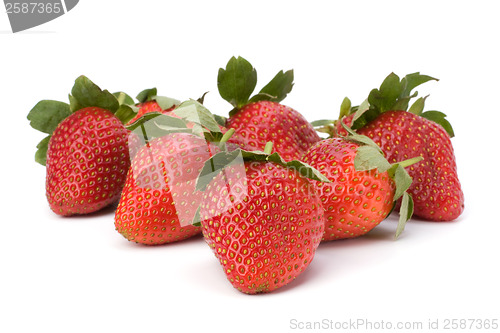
point(128, 107)
point(152, 95)
point(47, 114)
point(395, 94)
point(369, 156)
point(237, 82)
point(222, 160)
point(190, 117)
point(328, 126)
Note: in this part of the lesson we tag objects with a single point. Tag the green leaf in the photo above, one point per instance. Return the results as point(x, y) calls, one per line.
point(322, 122)
point(237, 81)
point(126, 113)
point(303, 168)
point(170, 124)
point(195, 112)
point(360, 139)
point(325, 126)
point(393, 94)
point(215, 165)
point(277, 89)
point(439, 118)
point(220, 120)
point(386, 96)
point(154, 125)
point(418, 106)
point(402, 102)
point(361, 114)
point(345, 108)
point(123, 98)
point(74, 105)
point(146, 95)
point(411, 81)
point(401, 178)
point(405, 213)
point(47, 114)
point(368, 158)
point(89, 94)
point(220, 161)
point(166, 102)
point(41, 153)
point(213, 136)
point(197, 218)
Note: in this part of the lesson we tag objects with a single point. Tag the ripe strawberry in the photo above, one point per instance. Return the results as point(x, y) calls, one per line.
point(261, 217)
point(261, 119)
point(264, 121)
point(159, 200)
point(358, 197)
point(402, 134)
point(86, 152)
point(436, 189)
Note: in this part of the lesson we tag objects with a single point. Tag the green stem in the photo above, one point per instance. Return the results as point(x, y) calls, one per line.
point(121, 98)
point(268, 149)
point(144, 134)
point(227, 135)
point(411, 161)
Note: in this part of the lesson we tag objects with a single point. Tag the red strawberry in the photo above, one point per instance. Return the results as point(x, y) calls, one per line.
point(436, 189)
point(261, 119)
point(358, 197)
point(264, 121)
point(402, 134)
point(159, 200)
point(86, 152)
point(262, 219)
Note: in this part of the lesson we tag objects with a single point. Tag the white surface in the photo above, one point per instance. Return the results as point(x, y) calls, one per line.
point(79, 275)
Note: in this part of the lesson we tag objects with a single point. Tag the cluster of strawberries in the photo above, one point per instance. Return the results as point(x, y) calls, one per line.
point(262, 186)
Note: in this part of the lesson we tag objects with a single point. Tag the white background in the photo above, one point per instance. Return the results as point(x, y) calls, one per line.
point(79, 275)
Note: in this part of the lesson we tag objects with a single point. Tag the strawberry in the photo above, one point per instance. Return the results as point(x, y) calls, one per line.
point(363, 187)
point(403, 132)
point(86, 152)
point(261, 217)
point(158, 201)
point(261, 118)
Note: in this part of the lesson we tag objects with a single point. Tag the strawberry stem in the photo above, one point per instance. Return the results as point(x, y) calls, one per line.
point(268, 149)
point(144, 134)
point(411, 161)
point(227, 135)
